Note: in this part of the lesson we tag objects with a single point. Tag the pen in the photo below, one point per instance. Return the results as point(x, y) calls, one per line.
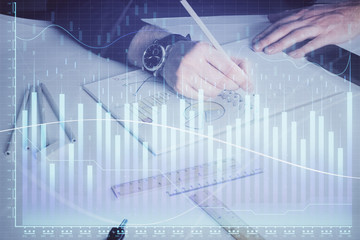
point(55, 110)
point(22, 106)
point(117, 233)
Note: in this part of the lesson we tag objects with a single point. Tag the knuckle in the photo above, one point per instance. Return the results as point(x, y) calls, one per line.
point(264, 42)
point(302, 12)
point(298, 34)
point(188, 58)
point(202, 46)
point(220, 83)
point(179, 85)
point(286, 28)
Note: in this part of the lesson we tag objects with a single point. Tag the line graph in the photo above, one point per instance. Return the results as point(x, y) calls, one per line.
point(65, 179)
point(81, 42)
point(134, 32)
point(204, 136)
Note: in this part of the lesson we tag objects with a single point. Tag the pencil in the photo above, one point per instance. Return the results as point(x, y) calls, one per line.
point(208, 34)
point(202, 26)
point(22, 106)
point(41, 110)
point(55, 110)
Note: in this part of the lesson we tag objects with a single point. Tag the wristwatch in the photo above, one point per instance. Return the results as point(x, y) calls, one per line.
point(154, 56)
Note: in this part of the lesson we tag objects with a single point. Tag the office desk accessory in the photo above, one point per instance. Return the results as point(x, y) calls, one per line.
point(22, 107)
point(226, 218)
point(26, 103)
point(189, 179)
point(202, 26)
point(41, 110)
point(118, 233)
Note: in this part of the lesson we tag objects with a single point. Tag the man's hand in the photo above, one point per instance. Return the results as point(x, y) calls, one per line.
point(323, 24)
point(191, 66)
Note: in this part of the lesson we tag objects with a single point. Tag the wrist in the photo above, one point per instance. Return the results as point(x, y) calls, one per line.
point(154, 56)
point(144, 38)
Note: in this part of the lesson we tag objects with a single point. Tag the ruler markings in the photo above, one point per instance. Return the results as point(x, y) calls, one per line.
point(178, 182)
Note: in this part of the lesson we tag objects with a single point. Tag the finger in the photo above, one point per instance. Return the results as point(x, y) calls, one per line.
point(290, 39)
point(217, 78)
point(277, 16)
point(272, 28)
point(187, 91)
point(294, 14)
point(279, 33)
point(232, 71)
point(210, 91)
point(310, 46)
point(244, 64)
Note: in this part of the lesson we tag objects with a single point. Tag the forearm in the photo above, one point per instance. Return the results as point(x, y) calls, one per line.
point(145, 37)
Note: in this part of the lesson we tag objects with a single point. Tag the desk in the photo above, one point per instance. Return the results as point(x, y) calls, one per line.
point(66, 193)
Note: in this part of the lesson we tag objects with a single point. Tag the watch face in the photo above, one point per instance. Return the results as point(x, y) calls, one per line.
point(153, 57)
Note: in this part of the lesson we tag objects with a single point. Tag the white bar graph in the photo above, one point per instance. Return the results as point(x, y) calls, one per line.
point(108, 144)
point(34, 143)
point(52, 184)
point(145, 163)
point(191, 137)
point(71, 172)
point(331, 168)
point(340, 166)
point(284, 146)
point(294, 160)
point(266, 139)
point(173, 150)
point(24, 152)
point(99, 152)
point(304, 172)
point(312, 145)
point(62, 144)
point(210, 134)
point(80, 152)
point(117, 149)
point(256, 122)
point(164, 130)
point(219, 167)
point(154, 127)
point(349, 132)
point(90, 186)
point(275, 165)
point(43, 160)
point(201, 116)
point(321, 150)
point(229, 142)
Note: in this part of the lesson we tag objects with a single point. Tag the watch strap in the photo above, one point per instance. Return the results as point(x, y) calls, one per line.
point(172, 39)
point(166, 42)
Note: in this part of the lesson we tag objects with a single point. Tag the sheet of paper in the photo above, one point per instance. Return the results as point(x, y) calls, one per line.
point(155, 114)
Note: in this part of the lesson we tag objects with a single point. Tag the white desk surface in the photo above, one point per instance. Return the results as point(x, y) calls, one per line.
point(63, 66)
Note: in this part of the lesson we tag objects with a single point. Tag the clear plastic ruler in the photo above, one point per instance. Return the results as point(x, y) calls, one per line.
point(188, 179)
point(226, 218)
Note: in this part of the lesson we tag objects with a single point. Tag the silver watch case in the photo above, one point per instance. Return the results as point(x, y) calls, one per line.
point(158, 65)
